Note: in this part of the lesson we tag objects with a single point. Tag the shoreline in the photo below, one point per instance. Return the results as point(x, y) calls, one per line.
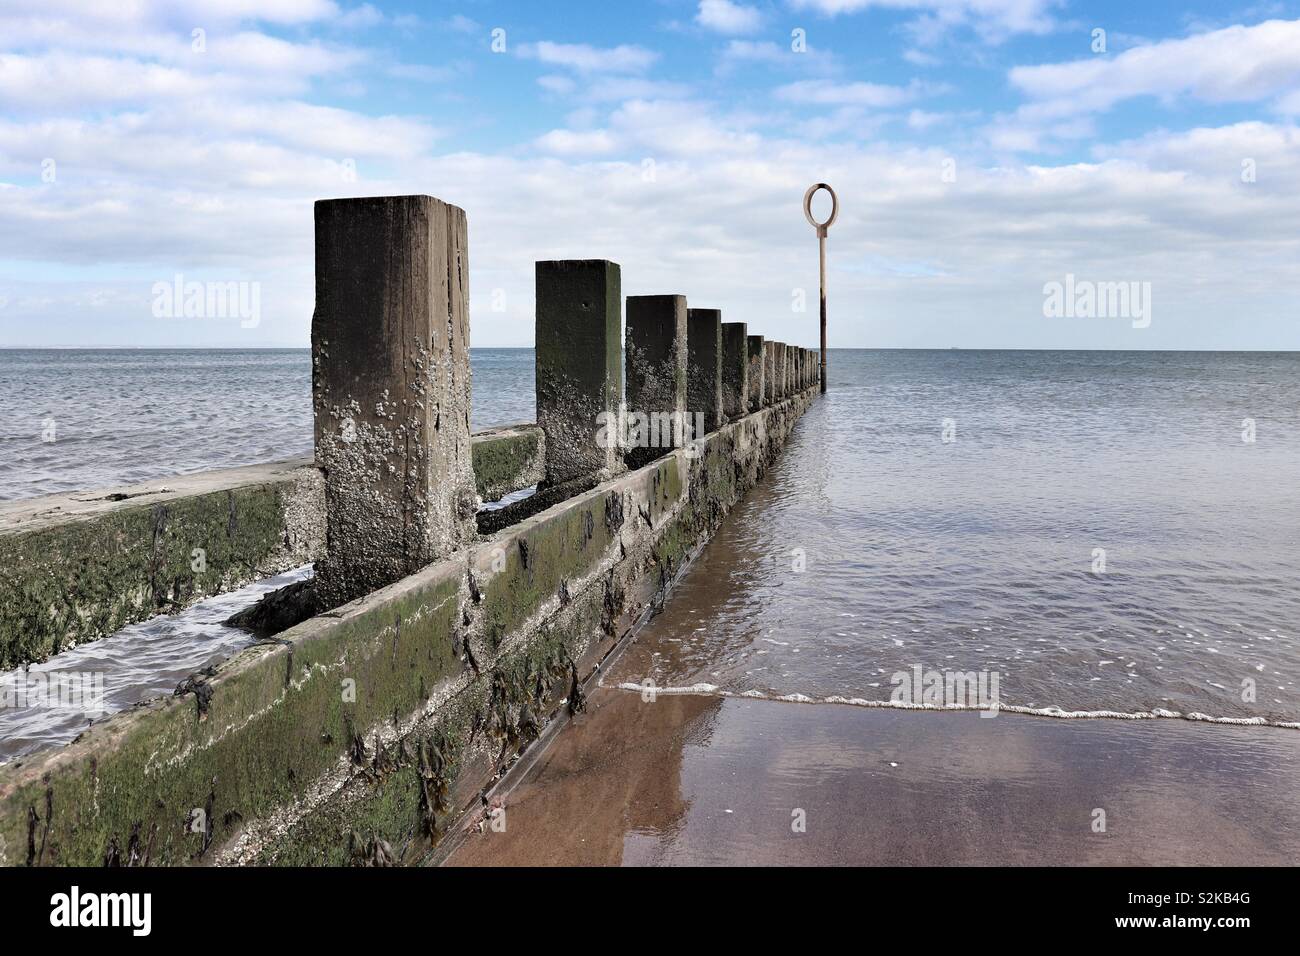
point(692, 779)
point(1053, 711)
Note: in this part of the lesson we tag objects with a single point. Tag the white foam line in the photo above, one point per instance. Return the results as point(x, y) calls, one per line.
point(703, 690)
point(712, 690)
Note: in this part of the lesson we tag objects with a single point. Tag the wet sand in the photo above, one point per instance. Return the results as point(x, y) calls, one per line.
point(706, 780)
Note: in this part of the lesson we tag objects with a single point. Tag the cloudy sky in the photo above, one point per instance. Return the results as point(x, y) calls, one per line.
point(981, 149)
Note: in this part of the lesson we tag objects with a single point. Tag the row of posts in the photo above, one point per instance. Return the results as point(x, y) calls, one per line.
point(682, 365)
point(391, 381)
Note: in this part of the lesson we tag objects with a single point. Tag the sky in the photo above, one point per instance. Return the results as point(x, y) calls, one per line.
point(984, 154)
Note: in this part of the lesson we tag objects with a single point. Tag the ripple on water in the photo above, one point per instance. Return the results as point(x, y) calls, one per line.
point(979, 554)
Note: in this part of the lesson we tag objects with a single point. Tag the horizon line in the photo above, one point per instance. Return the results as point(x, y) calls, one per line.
point(839, 348)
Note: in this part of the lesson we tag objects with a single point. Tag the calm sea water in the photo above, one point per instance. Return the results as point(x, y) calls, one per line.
point(121, 416)
point(948, 509)
point(984, 552)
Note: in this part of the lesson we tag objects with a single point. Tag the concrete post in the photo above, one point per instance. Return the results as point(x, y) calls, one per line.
point(704, 366)
point(789, 370)
point(735, 370)
point(656, 374)
point(390, 389)
point(769, 373)
point(579, 366)
point(757, 381)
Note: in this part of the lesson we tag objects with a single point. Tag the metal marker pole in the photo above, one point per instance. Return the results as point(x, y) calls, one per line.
point(821, 228)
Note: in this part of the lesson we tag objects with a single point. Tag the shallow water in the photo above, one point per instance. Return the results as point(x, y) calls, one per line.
point(978, 554)
point(118, 416)
point(140, 662)
point(703, 781)
point(975, 554)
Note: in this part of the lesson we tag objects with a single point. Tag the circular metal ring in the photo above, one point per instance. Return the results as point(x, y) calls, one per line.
point(821, 227)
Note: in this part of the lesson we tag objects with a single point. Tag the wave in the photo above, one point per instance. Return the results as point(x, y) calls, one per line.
point(1158, 713)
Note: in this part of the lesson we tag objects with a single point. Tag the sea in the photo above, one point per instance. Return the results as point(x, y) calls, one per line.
point(1107, 533)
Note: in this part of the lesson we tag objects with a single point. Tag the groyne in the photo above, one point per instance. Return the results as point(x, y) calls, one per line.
point(444, 643)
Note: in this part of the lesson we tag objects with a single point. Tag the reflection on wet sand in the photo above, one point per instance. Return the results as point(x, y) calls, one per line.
point(693, 779)
point(598, 797)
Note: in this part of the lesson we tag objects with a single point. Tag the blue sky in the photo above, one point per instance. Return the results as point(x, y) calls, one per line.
point(982, 149)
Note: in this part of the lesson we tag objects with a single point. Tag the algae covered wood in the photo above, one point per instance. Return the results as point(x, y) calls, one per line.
point(735, 370)
point(656, 374)
point(704, 366)
point(757, 380)
point(579, 332)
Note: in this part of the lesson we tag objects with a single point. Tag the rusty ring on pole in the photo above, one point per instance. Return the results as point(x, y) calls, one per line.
point(821, 227)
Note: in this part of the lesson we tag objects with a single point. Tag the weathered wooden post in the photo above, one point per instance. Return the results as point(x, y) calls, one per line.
point(782, 371)
point(769, 373)
point(757, 381)
point(704, 366)
point(579, 367)
point(656, 374)
point(390, 389)
point(735, 371)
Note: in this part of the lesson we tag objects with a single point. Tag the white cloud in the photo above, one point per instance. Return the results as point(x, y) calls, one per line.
point(727, 17)
point(109, 17)
point(1236, 64)
point(583, 58)
point(166, 164)
point(970, 256)
point(920, 58)
point(359, 18)
point(251, 63)
point(565, 142)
